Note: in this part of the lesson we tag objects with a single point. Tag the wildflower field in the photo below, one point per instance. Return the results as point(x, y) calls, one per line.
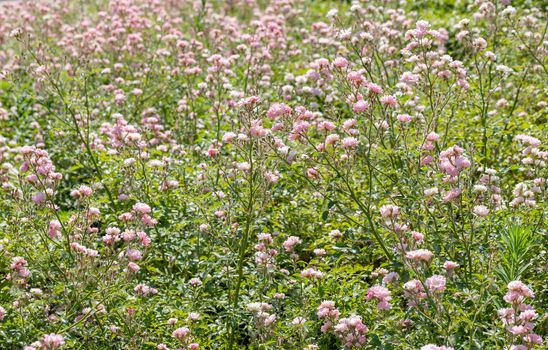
point(273, 174)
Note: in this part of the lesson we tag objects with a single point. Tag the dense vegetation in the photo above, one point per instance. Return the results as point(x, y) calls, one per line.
point(282, 174)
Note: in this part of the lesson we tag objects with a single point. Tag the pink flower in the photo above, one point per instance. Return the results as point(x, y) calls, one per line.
point(327, 309)
point(356, 78)
point(374, 88)
point(404, 118)
point(409, 78)
point(312, 173)
point(243, 166)
point(331, 139)
point(125, 217)
point(436, 283)
point(351, 331)
point(506, 315)
point(453, 161)
point(360, 106)
point(391, 277)
point(250, 101)
point(272, 176)
point(450, 265)
point(518, 330)
point(148, 220)
point(85, 191)
point(451, 194)
point(390, 211)
point(290, 243)
point(528, 315)
point(229, 137)
point(340, 62)
point(519, 347)
point(349, 124)
point(463, 83)
point(381, 294)
point(52, 341)
point(326, 125)
point(93, 212)
point(528, 140)
point(479, 44)
point(181, 334)
point(311, 273)
point(195, 282)
point(432, 137)
point(389, 100)
point(419, 255)
point(39, 198)
point(212, 152)
point(533, 338)
point(128, 235)
point(134, 255)
point(481, 210)
point(18, 263)
point(54, 230)
point(133, 267)
point(517, 292)
point(429, 192)
point(427, 160)
point(257, 130)
point(278, 110)
point(350, 142)
point(417, 236)
point(141, 208)
point(145, 240)
point(414, 292)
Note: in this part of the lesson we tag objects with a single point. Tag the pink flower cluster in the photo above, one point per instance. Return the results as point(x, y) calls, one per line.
point(351, 331)
point(20, 272)
point(524, 193)
point(519, 318)
point(381, 295)
point(182, 334)
point(43, 177)
point(261, 312)
point(533, 155)
point(390, 211)
point(435, 284)
point(290, 244)
point(311, 273)
point(144, 291)
point(452, 162)
point(419, 255)
point(142, 210)
point(279, 110)
point(517, 293)
point(329, 313)
point(414, 292)
point(265, 255)
point(52, 342)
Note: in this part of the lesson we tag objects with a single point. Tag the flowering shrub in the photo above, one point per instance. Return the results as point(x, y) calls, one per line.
point(275, 174)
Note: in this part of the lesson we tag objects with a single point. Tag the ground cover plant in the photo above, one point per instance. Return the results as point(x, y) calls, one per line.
point(282, 174)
